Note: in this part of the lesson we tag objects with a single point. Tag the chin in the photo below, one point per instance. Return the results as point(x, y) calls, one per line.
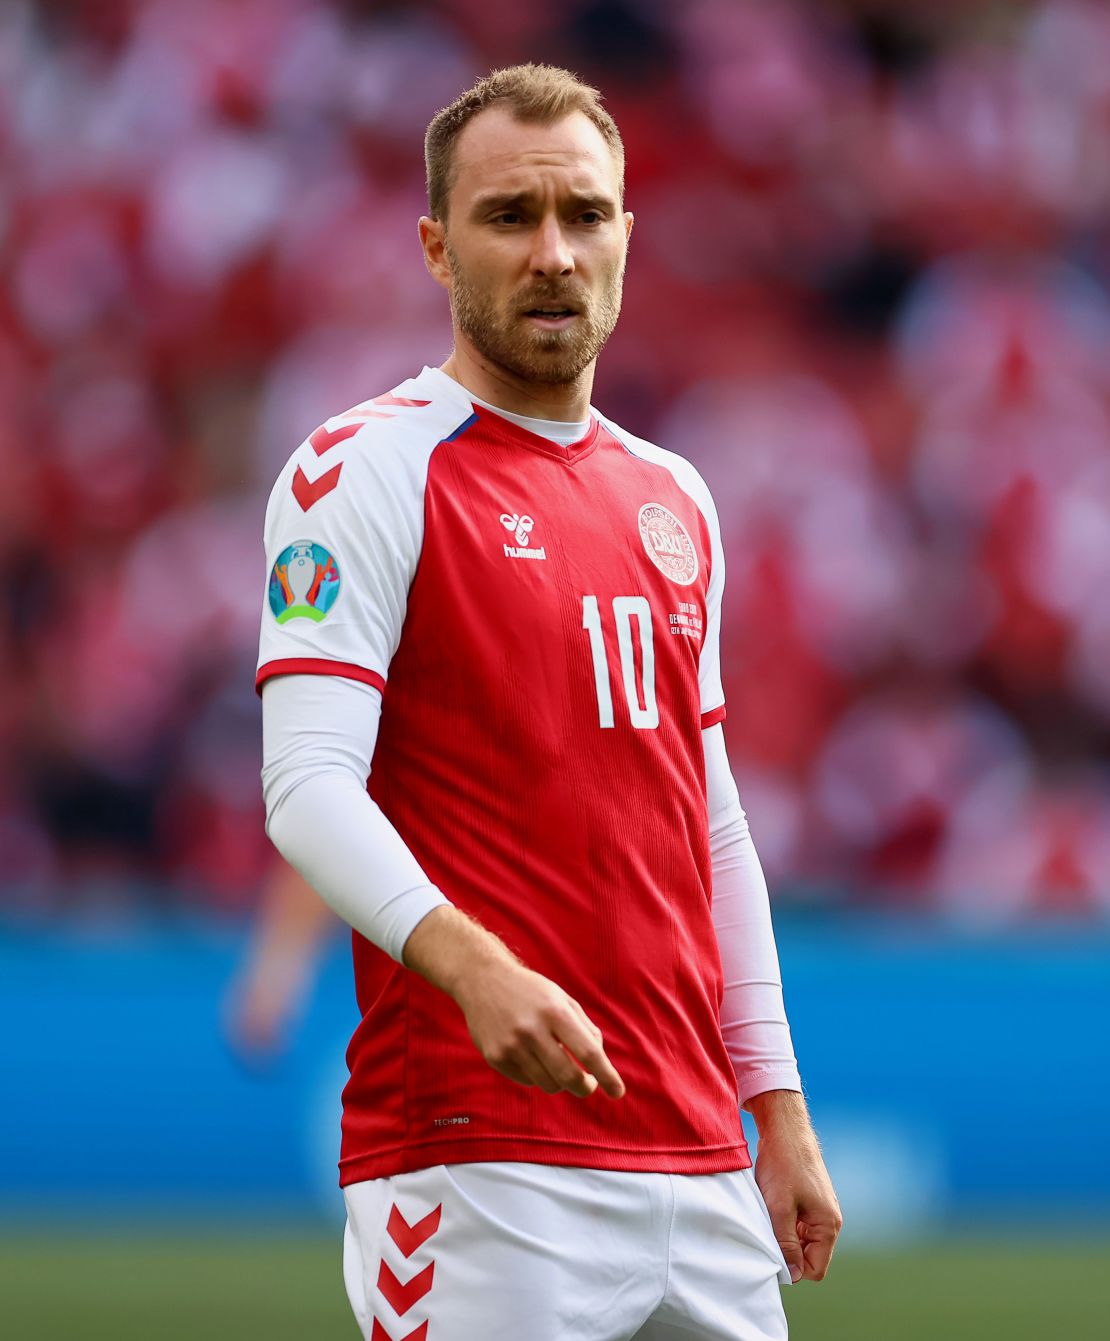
point(548, 361)
point(553, 372)
point(571, 357)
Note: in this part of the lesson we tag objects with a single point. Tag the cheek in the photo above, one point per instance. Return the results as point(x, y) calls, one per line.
point(605, 259)
point(491, 276)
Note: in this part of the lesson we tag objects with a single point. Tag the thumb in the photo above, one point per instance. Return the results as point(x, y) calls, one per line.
point(786, 1231)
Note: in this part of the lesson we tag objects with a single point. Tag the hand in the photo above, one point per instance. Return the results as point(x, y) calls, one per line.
point(530, 1030)
point(524, 1025)
point(795, 1184)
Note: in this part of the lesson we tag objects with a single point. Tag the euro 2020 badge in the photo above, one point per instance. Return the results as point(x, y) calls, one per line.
point(304, 582)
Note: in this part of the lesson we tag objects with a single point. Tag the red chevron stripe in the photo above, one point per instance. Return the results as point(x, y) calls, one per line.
point(322, 441)
point(380, 1334)
point(306, 493)
point(400, 400)
point(409, 1237)
point(402, 1297)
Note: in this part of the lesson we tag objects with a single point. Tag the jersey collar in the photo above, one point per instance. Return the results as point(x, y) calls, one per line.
point(515, 434)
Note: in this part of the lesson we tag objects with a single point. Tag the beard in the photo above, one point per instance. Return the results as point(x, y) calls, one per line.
point(506, 338)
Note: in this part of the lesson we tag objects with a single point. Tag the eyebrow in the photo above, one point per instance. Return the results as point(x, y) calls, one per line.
point(518, 200)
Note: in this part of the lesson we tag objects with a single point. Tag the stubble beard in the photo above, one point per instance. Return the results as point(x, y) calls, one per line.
point(505, 338)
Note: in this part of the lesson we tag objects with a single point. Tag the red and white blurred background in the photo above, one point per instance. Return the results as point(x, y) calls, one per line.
point(867, 294)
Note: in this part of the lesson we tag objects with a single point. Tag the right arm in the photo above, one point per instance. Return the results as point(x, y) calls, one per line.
point(319, 733)
point(522, 1023)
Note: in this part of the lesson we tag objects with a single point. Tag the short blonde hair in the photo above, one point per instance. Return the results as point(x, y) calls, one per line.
point(537, 93)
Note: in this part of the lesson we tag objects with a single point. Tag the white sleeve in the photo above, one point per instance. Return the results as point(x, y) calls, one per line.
point(344, 530)
point(318, 737)
point(753, 1015)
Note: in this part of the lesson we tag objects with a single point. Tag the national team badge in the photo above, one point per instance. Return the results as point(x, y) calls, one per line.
point(304, 583)
point(668, 543)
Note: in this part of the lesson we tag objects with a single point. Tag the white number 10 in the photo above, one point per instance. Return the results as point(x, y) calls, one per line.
point(624, 608)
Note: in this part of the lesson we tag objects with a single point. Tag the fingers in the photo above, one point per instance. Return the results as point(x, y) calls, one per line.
point(549, 1068)
point(584, 1043)
point(563, 1072)
point(572, 1058)
point(817, 1258)
point(568, 1056)
point(807, 1246)
point(818, 1241)
point(577, 1008)
point(538, 1074)
point(806, 1243)
point(787, 1236)
point(534, 1033)
point(523, 1068)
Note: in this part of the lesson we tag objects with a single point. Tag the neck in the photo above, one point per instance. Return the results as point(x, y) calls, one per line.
point(566, 401)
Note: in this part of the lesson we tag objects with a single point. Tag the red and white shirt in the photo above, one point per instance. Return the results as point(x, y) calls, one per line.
point(543, 623)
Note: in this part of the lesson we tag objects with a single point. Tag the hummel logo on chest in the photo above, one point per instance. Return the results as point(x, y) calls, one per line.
point(521, 527)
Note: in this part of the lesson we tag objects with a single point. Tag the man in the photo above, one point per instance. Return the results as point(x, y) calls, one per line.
point(541, 1133)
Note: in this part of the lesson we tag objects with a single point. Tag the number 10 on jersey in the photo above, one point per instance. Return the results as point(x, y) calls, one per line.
point(625, 610)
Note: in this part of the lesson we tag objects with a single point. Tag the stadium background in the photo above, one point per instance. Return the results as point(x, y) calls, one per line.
point(869, 295)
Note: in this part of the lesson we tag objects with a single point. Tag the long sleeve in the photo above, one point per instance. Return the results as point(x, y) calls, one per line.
point(318, 737)
point(753, 1015)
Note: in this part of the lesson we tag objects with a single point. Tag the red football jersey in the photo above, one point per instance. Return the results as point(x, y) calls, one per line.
point(543, 623)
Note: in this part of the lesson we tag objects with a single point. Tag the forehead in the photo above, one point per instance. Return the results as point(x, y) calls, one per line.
point(495, 151)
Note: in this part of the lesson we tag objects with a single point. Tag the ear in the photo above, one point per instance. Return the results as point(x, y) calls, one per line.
point(433, 233)
point(629, 220)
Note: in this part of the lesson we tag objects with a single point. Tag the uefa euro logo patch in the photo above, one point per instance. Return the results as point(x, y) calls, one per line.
point(304, 583)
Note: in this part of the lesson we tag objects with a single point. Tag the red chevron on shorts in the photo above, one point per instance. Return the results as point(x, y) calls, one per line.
point(380, 1334)
point(402, 1297)
point(409, 1237)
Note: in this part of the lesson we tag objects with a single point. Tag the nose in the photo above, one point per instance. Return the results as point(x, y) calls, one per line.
point(552, 254)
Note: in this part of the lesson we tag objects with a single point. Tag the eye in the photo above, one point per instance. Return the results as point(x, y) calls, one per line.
point(591, 217)
point(506, 217)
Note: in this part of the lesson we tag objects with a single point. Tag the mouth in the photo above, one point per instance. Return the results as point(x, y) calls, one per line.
point(551, 317)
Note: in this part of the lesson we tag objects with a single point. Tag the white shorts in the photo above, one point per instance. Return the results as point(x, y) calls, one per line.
point(531, 1252)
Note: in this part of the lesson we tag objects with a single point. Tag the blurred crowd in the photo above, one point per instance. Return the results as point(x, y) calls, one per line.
point(867, 295)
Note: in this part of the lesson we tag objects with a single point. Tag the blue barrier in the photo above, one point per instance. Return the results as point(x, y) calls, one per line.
point(952, 1078)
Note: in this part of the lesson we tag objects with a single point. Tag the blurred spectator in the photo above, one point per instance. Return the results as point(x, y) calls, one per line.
point(867, 296)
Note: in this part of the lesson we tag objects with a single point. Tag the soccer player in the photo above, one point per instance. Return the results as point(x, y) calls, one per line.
point(563, 952)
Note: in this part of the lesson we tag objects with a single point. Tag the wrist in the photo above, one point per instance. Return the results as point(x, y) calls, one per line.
point(454, 952)
point(779, 1110)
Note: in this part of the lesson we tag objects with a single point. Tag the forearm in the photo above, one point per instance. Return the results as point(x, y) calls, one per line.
point(336, 837)
point(753, 1015)
point(318, 738)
